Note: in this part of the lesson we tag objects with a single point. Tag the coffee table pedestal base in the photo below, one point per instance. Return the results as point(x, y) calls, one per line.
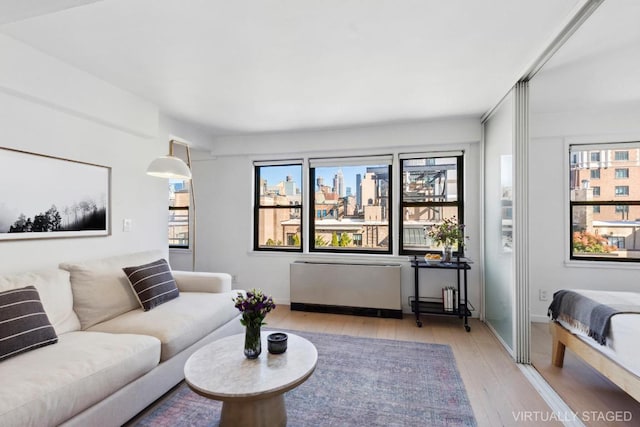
point(268, 412)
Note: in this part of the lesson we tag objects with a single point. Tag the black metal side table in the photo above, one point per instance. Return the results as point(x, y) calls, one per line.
point(437, 306)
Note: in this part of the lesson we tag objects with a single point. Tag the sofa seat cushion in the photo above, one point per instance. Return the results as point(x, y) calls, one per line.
point(178, 323)
point(49, 385)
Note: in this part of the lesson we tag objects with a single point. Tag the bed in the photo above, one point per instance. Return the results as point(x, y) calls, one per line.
point(612, 348)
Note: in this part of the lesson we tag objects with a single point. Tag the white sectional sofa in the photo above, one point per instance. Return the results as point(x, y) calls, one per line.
point(112, 359)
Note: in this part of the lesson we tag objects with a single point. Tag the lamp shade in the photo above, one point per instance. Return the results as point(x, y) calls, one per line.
point(169, 167)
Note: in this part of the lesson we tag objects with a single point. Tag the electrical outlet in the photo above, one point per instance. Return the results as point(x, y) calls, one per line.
point(234, 278)
point(127, 225)
point(543, 295)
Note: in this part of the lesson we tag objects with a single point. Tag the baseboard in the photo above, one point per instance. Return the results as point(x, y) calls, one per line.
point(354, 311)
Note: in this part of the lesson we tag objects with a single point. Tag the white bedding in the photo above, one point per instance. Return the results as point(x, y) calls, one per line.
point(623, 340)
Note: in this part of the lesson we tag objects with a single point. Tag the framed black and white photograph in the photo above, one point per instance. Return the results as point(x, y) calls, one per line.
point(47, 197)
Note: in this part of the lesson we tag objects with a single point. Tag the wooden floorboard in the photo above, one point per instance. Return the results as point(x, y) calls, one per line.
point(585, 390)
point(499, 393)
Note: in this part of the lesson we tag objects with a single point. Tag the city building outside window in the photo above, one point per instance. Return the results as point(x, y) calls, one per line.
point(432, 190)
point(350, 200)
point(278, 206)
point(606, 228)
point(179, 201)
point(595, 156)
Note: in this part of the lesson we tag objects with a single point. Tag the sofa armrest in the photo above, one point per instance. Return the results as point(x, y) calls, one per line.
point(195, 281)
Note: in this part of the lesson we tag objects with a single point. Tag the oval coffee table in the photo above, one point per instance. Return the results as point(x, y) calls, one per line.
point(251, 391)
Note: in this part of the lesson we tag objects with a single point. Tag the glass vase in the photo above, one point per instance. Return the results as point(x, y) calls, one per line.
point(252, 345)
point(447, 253)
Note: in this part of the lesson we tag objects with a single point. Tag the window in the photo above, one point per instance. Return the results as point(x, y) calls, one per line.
point(616, 241)
point(622, 173)
point(595, 173)
point(431, 191)
point(623, 211)
point(350, 204)
point(622, 190)
point(278, 206)
point(179, 201)
point(621, 155)
point(603, 229)
point(595, 156)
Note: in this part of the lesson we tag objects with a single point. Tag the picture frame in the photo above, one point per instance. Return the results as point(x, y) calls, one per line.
point(43, 196)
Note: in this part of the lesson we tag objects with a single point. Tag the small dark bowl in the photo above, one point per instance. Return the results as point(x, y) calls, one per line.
point(277, 343)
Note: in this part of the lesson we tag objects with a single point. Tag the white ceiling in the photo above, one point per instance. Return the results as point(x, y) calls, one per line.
point(246, 66)
point(599, 66)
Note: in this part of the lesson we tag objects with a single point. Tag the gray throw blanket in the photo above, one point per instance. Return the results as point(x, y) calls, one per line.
point(589, 316)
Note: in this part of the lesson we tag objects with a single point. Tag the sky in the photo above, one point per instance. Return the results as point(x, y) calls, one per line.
point(275, 174)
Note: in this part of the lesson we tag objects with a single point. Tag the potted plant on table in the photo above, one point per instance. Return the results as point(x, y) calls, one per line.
point(254, 307)
point(447, 234)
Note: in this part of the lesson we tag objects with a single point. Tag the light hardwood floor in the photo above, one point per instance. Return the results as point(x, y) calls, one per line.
point(584, 389)
point(499, 393)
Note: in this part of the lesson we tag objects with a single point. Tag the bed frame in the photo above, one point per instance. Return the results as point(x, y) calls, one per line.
point(623, 378)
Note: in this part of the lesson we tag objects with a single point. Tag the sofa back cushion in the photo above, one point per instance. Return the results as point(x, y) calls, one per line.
point(101, 290)
point(55, 293)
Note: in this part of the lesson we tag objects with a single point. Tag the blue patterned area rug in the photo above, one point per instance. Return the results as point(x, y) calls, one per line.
point(357, 382)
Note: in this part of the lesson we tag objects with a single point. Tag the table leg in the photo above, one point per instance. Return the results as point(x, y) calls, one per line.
point(416, 284)
point(270, 412)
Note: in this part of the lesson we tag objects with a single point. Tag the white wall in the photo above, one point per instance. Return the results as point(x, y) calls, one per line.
point(550, 267)
point(51, 108)
point(225, 191)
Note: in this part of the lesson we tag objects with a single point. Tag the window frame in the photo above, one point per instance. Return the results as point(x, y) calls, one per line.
point(616, 240)
point(188, 224)
point(311, 234)
point(624, 173)
point(459, 203)
point(621, 154)
point(621, 191)
point(257, 207)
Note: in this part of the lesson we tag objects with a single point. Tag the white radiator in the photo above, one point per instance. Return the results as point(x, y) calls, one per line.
point(363, 289)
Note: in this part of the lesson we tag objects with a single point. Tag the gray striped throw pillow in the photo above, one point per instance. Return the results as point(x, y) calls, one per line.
point(152, 283)
point(24, 325)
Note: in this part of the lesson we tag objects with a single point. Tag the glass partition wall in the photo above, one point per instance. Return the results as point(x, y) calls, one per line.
point(584, 187)
point(498, 221)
